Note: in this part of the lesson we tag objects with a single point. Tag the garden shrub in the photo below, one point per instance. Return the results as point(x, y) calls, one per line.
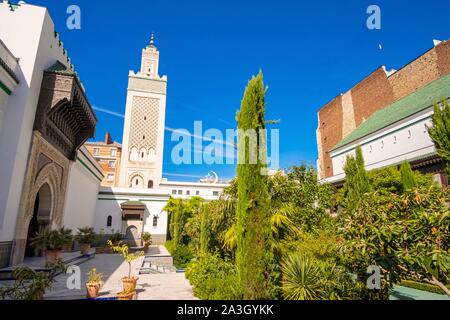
point(422, 286)
point(182, 255)
point(214, 278)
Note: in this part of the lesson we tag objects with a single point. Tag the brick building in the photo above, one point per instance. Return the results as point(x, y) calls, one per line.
point(357, 117)
point(108, 154)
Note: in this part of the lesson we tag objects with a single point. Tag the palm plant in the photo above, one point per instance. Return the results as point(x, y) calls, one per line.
point(86, 235)
point(302, 278)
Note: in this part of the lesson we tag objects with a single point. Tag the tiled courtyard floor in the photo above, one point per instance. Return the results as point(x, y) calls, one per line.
point(167, 286)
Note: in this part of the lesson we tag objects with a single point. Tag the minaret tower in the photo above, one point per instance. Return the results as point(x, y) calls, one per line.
point(143, 134)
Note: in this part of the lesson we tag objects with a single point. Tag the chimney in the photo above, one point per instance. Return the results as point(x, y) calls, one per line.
point(108, 139)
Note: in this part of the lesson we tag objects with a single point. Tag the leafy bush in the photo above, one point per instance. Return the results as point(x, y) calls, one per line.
point(423, 286)
point(182, 255)
point(86, 235)
point(306, 278)
point(115, 237)
point(170, 246)
point(51, 239)
point(214, 278)
point(146, 238)
point(406, 235)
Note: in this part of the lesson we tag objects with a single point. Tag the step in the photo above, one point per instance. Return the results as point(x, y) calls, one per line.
point(6, 273)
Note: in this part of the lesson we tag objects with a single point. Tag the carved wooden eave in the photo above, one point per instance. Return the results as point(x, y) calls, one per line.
point(134, 210)
point(64, 116)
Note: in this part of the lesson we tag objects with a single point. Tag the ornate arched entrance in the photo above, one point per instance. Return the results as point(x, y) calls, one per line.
point(42, 213)
point(42, 202)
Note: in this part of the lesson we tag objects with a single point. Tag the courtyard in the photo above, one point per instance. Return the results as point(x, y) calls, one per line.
point(168, 285)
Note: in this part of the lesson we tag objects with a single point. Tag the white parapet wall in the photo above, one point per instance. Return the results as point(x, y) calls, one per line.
point(82, 191)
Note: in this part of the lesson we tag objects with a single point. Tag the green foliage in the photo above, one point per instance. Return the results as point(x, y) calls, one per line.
point(422, 286)
point(146, 238)
point(356, 180)
point(306, 278)
point(253, 233)
point(170, 246)
point(115, 237)
point(94, 276)
point(30, 284)
point(440, 133)
point(407, 175)
point(182, 255)
point(51, 239)
point(86, 235)
point(406, 235)
point(180, 212)
point(123, 250)
point(205, 234)
point(214, 278)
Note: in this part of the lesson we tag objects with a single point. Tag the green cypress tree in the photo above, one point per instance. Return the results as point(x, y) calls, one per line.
point(178, 224)
point(357, 180)
point(253, 255)
point(440, 133)
point(205, 235)
point(408, 181)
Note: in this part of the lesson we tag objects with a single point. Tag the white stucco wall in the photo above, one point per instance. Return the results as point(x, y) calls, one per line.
point(110, 199)
point(82, 190)
point(28, 32)
point(407, 139)
point(206, 190)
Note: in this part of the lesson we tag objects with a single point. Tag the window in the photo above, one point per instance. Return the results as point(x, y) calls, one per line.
point(215, 193)
point(197, 193)
point(137, 182)
point(155, 221)
point(96, 151)
point(109, 221)
point(113, 152)
point(150, 184)
point(188, 192)
point(174, 191)
point(110, 177)
point(142, 155)
point(111, 164)
point(180, 191)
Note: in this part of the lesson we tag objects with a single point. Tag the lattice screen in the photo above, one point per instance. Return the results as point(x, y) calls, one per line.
point(144, 123)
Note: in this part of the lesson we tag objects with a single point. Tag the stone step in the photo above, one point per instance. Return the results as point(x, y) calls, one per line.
point(6, 274)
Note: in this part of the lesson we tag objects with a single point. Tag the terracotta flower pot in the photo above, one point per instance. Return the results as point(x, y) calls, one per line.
point(92, 290)
point(85, 248)
point(126, 295)
point(129, 284)
point(52, 256)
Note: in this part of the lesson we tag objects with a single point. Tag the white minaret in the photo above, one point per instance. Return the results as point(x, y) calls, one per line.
point(143, 134)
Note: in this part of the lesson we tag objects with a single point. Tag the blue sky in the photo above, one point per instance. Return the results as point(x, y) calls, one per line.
point(309, 51)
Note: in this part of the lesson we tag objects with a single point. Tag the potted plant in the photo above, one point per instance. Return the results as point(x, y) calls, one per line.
point(52, 243)
point(85, 237)
point(67, 233)
point(146, 240)
point(93, 284)
point(115, 238)
point(128, 283)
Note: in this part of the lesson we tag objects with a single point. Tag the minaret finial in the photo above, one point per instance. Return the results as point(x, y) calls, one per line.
point(152, 40)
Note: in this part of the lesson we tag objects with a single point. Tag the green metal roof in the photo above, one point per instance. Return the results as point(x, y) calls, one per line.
point(401, 109)
point(133, 203)
point(60, 68)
